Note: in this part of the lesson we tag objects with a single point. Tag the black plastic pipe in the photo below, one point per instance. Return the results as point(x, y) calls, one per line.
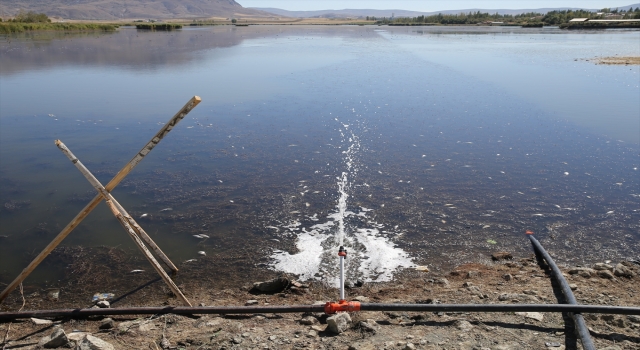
point(180, 310)
point(581, 325)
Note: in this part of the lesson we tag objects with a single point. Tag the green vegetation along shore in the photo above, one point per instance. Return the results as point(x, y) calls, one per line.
point(10, 27)
point(31, 21)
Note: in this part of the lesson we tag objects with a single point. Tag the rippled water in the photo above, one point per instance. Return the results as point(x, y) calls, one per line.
point(410, 146)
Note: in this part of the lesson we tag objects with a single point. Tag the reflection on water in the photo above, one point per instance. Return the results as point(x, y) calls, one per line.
point(381, 137)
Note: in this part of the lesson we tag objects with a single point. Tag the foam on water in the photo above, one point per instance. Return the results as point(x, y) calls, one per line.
point(372, 256)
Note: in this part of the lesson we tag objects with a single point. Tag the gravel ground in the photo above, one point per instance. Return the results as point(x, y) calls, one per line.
point(510, 281)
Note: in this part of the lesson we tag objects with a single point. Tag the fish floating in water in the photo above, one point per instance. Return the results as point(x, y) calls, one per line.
point(136, 271)
point(200, 236)
point(144, 215)
point(202, 253)
point(166, 209)
point(190, 260)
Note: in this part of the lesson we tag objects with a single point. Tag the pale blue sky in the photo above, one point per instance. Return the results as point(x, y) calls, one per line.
point(430, 5)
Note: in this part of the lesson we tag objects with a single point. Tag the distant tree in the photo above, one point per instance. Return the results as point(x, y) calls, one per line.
point(234, 21)
point(31, 17)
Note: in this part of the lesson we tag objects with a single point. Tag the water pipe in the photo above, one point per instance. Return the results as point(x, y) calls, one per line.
point(329, 308)
point(581, 325)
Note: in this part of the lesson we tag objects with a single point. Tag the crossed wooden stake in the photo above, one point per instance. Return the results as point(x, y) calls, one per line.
point(133, 229)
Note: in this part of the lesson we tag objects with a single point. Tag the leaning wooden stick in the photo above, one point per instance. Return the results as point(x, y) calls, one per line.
point(124, 218)
point(110, 186)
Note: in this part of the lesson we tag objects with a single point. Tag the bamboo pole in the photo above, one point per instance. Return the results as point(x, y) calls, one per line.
point(193, 102)
point(121, 214)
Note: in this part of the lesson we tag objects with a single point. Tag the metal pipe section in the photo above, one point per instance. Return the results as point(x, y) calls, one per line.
point(581, 325)
point(277, 309)
point(343, 254)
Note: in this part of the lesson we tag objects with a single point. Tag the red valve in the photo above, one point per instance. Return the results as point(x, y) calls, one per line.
point(342, 252)
point(529, 232)
point(341, 306)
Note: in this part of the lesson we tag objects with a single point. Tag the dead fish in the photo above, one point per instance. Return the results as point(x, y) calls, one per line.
point(136, 271)
point(144, 215)
point(198, 236)
point(610, 212)
point(204, 236)
point(190, 260)
point(202, 253)
point(166, 209)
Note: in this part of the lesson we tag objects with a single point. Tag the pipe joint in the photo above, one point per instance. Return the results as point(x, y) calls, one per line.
point(341, 306)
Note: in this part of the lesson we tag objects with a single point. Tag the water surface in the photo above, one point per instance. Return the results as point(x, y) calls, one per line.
point(411, 146)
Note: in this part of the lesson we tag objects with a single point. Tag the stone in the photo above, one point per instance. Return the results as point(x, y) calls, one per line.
point(552, 344)
point(359, 283)
point(507, 277)
point(309, 320)
point(236, 340)
point(369, 326)
point(573, 286)
point(532, 315)
point(319, 328)
point(501, 256)
point(582, 271)
point(467, 284)
point(623, 271)
point(251, 302)
point(57, 339)
point(442, 281)
point(275, 285)
point(103, 304)
point(530, 292)
point(612, 347)
point(605, 274)
point(312, 333)
point(40, 322)
point(273, 337)
point(634, 318)
point(602, 267)
point(463, 325)
point(90, 342)
point(473, 274)
point(338, 323)
point(107, 323)
point(409, 346)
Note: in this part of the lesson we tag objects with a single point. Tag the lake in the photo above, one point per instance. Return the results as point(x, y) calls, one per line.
point(410, 146)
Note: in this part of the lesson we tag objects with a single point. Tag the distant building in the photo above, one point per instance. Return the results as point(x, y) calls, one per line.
point(579, 20)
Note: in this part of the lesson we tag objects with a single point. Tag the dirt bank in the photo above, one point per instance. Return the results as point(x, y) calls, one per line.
point(525, 279)
point(614, 60)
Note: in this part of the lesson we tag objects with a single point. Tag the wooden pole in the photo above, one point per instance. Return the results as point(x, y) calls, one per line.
point(193, 102)
point(121, 214)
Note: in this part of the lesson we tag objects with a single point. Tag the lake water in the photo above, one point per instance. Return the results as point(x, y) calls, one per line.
point(409, 145)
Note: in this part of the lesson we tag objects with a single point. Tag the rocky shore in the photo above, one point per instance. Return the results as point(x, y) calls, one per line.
point(504, 281)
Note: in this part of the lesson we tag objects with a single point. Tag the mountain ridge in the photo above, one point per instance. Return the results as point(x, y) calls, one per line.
point(408, 13)
point(130, 9)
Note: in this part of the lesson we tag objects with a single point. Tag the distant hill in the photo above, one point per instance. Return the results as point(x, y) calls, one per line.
point(358, 13)
point(130, 9)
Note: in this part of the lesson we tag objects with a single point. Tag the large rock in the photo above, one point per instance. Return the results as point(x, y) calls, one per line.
point(582, 271)
point(275, 285)
point(339, 323)
point(623, 271)
point(605, 274)
point(57, 339)
point(93, 343)
point(602, 266)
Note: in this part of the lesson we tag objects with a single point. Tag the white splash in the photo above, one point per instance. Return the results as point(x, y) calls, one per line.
point(371, 256)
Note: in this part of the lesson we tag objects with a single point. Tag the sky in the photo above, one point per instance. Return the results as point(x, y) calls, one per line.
point(430, 5)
